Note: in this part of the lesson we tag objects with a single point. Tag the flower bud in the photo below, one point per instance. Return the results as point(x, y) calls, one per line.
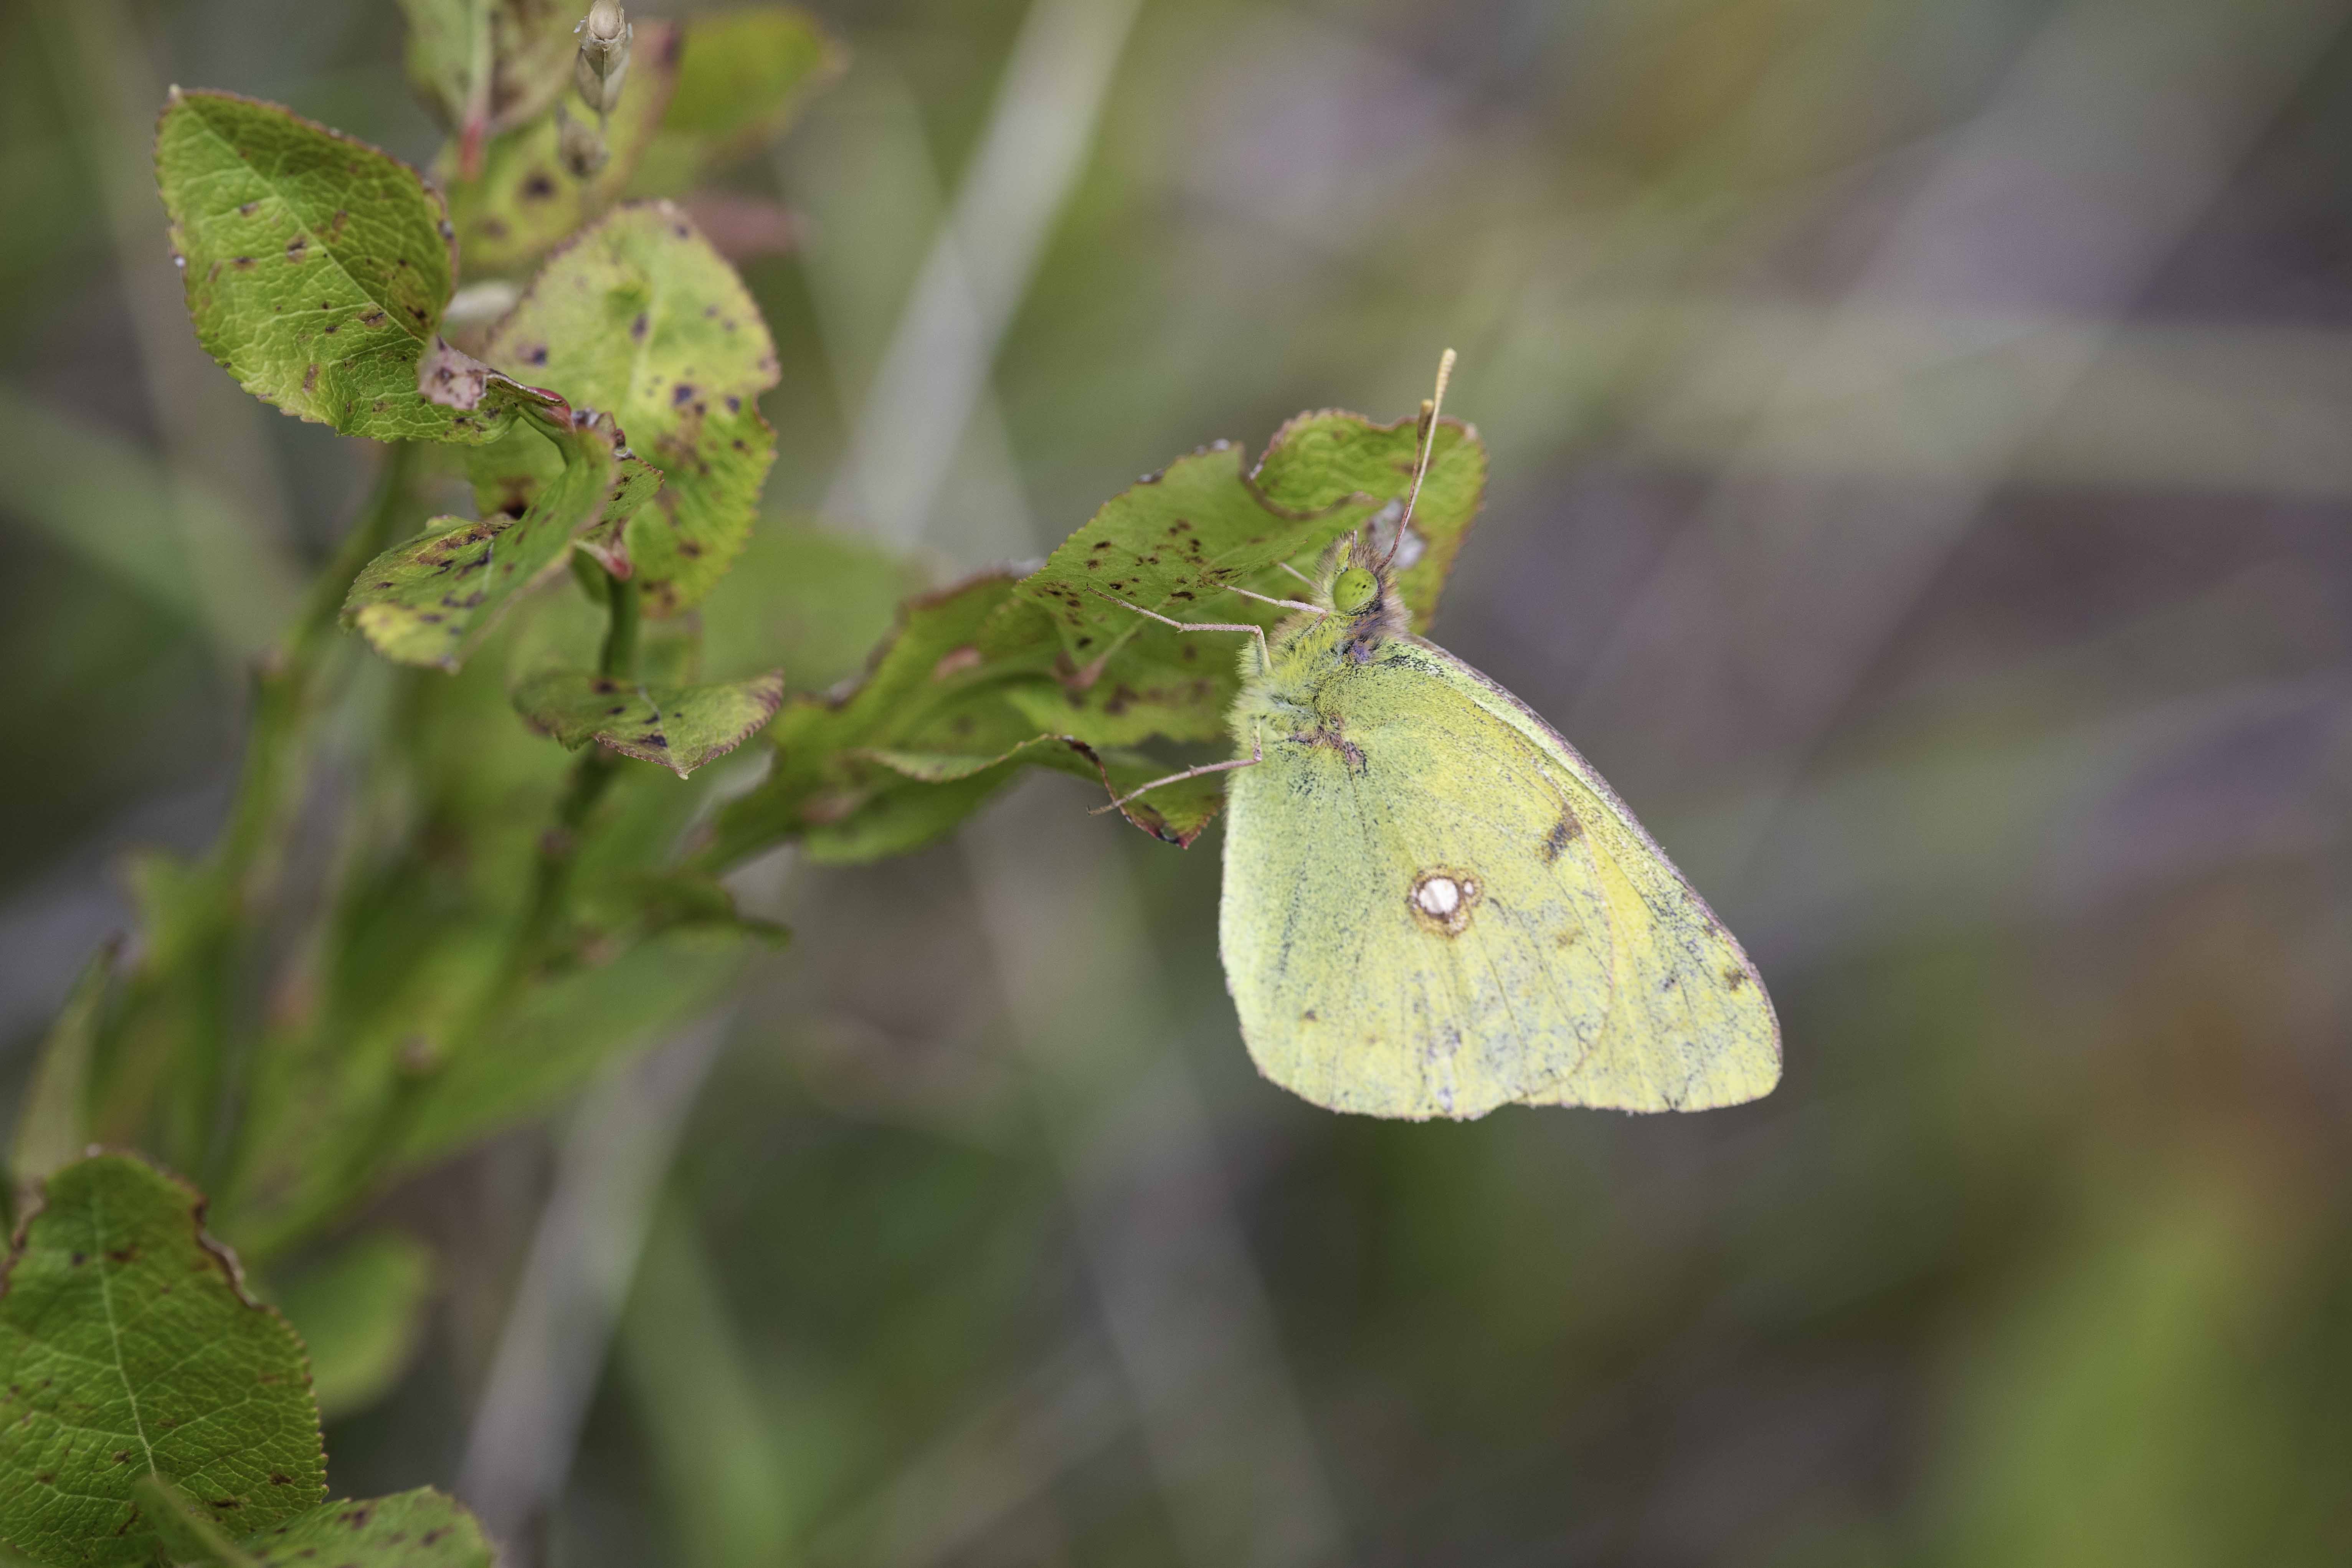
point(603, 59)
point(579, 144)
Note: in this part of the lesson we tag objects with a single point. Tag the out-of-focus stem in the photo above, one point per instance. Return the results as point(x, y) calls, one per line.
point(286, 692)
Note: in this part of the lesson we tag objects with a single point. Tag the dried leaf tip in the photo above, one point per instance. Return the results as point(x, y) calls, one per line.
point(606, 21)
point(604, 59)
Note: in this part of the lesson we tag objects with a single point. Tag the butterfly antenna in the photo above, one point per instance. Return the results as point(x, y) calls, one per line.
point(1428, 442)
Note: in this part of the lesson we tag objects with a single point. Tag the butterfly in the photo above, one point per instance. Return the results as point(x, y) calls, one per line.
point(1432, 904)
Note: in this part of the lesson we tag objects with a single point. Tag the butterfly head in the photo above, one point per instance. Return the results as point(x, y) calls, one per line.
point(1360, 588)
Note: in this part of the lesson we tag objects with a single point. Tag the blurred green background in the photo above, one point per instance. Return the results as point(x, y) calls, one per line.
point(1922, 452)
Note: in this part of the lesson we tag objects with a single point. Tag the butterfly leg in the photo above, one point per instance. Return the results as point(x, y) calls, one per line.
point(1265, 654)
point(1285, 604)
point(1258, 755)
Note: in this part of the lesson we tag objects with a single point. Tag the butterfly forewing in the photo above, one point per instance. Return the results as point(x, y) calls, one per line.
point(1433, 906)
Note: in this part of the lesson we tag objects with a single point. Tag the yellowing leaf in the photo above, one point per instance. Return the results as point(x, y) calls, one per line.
point(638, 315)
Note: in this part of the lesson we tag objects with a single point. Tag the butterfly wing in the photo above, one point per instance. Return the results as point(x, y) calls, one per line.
point(1433, 906)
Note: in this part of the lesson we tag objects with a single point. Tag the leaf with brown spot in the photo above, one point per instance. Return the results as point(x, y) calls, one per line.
point(331, 331)
point(679, 727)
point(123, 1327)
point(525, 201)
point(433, 599)
point(640, 316)
point(420, 1529)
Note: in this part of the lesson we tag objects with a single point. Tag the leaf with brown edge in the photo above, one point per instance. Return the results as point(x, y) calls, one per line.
point(316, 268)
point(128, 1347)
point(640, 315)
point(679, 727)
point(525, 200)
point(433, 598)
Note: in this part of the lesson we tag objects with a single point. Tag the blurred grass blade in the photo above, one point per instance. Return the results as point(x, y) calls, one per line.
point(729, 1483)
point(105, 500)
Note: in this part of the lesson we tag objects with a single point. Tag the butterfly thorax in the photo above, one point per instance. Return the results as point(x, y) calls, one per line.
point(1300, 693)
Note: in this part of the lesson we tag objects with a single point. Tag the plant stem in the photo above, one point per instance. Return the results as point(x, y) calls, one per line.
point(620, 661)
point(527, 945)
point(590, 777)
point(202, 1118)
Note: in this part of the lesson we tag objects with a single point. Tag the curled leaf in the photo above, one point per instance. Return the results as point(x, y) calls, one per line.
point(433, 599)
point(679, 727)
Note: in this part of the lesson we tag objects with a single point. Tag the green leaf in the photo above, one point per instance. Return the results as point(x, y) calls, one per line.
point(937, 727)
point(930, 688)
point(316, 268)
point(129, 1348)
point(53, 1128)
point(743, 79)
point(680, 727)
point(565, 1030)
point(1320, 459)
point(1043, 671)
point(361, 1314)
point(433, 599)
point(1172, 542)
point(488, 65)
point(189, 1534)
point(420, 1529)
point(1175, 813)
point(640, 316)
point(527, 200)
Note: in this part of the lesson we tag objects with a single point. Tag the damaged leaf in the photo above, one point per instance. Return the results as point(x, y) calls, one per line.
point(420, 1529)
point(638, 315)
point(433, 598)
point(129, 1348)
point(679, 727)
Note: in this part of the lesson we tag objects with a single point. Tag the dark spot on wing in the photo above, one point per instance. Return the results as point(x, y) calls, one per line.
point(1563, 833)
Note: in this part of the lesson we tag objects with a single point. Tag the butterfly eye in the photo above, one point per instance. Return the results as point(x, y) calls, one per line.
point(1353, 589)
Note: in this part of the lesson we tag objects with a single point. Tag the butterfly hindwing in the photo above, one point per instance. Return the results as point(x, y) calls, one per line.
point(1432, 906)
